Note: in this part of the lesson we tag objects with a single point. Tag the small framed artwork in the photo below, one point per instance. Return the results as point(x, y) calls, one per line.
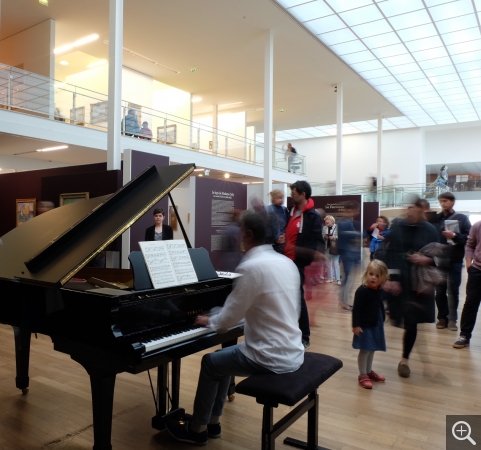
point(173, 217)
point(99, 112)
point(66, 199)
point(167, 135)
point(25, 210)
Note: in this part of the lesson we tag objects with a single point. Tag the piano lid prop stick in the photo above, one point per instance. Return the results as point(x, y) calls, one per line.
point(180, 222)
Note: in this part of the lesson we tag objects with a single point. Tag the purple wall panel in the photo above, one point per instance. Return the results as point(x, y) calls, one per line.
point(140, 162)
point(215, 201)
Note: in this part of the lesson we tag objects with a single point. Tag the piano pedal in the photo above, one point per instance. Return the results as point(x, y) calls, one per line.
point(24, 391)
point(231, 397)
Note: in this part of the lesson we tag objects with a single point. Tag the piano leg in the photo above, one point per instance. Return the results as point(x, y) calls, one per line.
point(22, 357)
point(102, 383)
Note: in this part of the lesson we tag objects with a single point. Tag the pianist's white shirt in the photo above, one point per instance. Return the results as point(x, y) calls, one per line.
point(268, 297)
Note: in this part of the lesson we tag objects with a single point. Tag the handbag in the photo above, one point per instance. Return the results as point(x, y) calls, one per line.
point(333, 248)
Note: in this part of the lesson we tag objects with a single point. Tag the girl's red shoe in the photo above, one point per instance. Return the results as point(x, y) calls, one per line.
point(365, 382)
point(373, 376)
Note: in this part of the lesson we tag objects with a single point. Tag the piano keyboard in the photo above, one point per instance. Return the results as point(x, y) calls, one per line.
point(175, 338)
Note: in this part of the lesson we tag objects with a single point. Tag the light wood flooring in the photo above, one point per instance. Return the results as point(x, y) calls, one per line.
point(400, 414)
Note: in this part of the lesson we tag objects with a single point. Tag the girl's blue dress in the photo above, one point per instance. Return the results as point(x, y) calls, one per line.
point(371, 339)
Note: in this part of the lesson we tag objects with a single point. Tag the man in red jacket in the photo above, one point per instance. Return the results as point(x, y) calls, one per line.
point(303, 238)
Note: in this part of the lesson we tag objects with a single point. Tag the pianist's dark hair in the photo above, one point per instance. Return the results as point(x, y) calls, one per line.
point(256, 223)
point(159, 211)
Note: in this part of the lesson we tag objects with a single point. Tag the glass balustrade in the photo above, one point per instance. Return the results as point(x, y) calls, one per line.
point(28, 93)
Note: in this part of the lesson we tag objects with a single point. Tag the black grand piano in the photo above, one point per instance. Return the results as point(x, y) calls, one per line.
point(106, 330)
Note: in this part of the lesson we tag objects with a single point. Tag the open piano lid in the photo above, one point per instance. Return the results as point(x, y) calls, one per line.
point(51, 248)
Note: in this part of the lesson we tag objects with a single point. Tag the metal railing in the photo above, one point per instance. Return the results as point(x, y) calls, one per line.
point(29, 93)
point(392, 196)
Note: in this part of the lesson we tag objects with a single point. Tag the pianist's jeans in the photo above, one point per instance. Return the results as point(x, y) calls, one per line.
point(214, 380)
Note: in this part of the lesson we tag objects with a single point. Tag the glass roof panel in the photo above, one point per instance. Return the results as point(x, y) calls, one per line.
point(432, 63)
point(394, 8)
point(289, 3)
point(453, 9)
point(419, 32)
point(325, 24)
point(358, 57)
point(382, 40)
point(457, 37)
point(361, 15)
point(466, 57)
point(410, 20)
point(311, 10)
point(436, 71)
point(471, 74)
point(404, 68)
point(346, 5)
point(368, 65)
point(348, 47)
point(432, 53)
point(372, 29)
point(424, 44)
point(398, 60)
point(368, 75)
point(390, 50)
point(382, 81)
point(457, 23)
point(410, 76)
point(422, 82)
point(338, 36)
point(464, 47)
point(470, 65)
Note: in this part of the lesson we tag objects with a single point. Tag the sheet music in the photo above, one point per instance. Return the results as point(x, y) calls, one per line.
point(168, 263)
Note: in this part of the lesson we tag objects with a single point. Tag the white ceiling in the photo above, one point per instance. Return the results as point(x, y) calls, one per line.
point(224, 41)
point(422, 55)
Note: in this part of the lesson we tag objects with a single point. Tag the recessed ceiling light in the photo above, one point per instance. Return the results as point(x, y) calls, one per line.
point(281, 110)
point(43, 2)
point(102, 62)
point(193, 69)
point(78, 43)
point(63, 63)
point(199, 170)
point(226, 175)
point(49, 149)
point(201, 174)
point(196, 99)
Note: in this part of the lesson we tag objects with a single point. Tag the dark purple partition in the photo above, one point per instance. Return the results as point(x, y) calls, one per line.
point(215, 202)
point(140, 162)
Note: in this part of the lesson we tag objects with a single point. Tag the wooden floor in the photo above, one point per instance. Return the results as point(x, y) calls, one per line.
point(400, 414)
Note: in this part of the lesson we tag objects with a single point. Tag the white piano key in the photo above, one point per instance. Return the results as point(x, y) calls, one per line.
point(174, 339)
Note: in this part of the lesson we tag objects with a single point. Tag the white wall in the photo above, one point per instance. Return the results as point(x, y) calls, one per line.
point(453, 145)
point(403, 157)
point(31, 49)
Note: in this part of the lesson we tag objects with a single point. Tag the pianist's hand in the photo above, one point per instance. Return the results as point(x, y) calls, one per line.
point(202, 320)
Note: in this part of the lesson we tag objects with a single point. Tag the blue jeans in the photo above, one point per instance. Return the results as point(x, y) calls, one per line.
point(214, 380)
point(447, 295)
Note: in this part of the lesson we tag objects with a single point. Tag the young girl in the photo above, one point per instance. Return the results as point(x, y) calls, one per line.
point(368, 321)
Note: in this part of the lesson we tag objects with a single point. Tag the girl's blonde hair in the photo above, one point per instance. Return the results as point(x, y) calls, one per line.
point(330, 218)
point(380, 268)
point(276, 193)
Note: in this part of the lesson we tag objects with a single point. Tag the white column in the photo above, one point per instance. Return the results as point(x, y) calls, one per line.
point(339, 117)
point(268, 108)
point(379, 152)
point(190, 123)
point(215, 126)
point(116, 35)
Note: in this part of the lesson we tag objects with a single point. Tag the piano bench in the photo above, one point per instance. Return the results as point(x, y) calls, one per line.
point(289, 389)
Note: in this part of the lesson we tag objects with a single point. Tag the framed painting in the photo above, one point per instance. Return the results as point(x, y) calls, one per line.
point(66, 199)
point(167, 135)
point(77, 115)
point(25, 210)
point(99, 112)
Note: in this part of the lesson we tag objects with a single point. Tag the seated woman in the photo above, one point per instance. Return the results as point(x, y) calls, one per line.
point(159, 231)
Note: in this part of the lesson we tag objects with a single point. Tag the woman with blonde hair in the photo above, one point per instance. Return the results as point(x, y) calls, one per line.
point(329, 231)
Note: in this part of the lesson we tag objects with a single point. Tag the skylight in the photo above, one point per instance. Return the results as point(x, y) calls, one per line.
point(422, 56)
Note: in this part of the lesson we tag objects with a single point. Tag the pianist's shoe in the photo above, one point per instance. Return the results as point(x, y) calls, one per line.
point(182, 432)
point(214, 430)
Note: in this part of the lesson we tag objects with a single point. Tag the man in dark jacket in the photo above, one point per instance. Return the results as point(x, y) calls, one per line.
point(447, 295)
point(303, 239)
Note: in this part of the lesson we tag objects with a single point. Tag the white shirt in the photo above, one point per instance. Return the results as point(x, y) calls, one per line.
point(268, 297)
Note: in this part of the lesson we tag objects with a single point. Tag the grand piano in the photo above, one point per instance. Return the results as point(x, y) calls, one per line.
point(106, 330)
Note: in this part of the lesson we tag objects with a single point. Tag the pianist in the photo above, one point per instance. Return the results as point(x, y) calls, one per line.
point(159, 231)
point(267, 297)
